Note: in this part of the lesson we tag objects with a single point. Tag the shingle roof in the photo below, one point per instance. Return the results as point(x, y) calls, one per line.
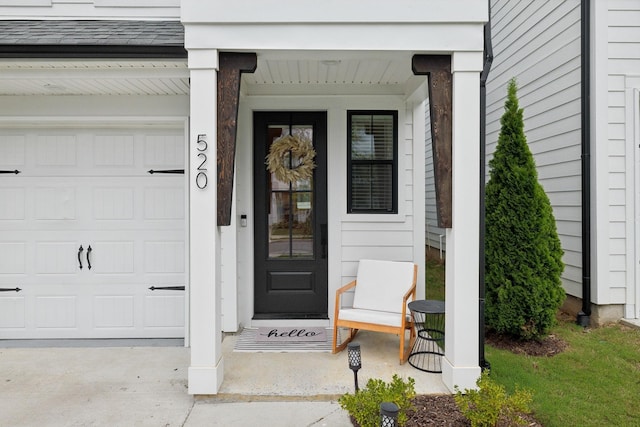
point(92, 33)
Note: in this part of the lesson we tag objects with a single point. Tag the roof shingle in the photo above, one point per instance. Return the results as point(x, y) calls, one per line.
point(92, 33)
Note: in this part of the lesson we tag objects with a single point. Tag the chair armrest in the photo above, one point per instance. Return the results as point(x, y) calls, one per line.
point(345, 288)
point(410, 292)
point(339, 292)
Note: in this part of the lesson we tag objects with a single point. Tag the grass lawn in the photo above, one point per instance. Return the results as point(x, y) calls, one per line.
point(594, 382)
point(434, 278)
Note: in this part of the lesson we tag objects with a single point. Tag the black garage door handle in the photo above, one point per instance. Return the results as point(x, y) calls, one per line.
point(89, 259)
point(80, 249)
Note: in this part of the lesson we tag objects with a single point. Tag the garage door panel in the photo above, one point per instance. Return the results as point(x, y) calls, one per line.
point(115, 257)
point(12, 312)
point(12, 151)
point(12, 204)
point(113, 151)
point(58, 257)
point(12, 258)
point(55, 203)
point(164, 310)
point(164, 151)
point(57, 150)
point(56, 311)
point(90, 188)
point(164, 257)
point(113, 311)
point(164, 203)
point(113, 203)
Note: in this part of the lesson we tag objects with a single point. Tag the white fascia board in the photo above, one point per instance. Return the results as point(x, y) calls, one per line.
point(423, 38)
point(337, 11)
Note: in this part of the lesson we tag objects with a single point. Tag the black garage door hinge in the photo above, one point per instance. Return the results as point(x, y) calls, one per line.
point(174, 171)
point(10, 289)
point(15, 171)
point(167, 288)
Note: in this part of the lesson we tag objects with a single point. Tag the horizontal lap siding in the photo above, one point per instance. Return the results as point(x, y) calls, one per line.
point(623, 51)
point(384, 239)
point(91, 9)
point(432, 231)
point(538, 43)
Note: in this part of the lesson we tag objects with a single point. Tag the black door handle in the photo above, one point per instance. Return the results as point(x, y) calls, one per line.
point(323, 239)
point(80, 249)
point(89, 259)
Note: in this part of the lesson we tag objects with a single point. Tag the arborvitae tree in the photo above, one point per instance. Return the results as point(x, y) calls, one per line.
point(523, 260)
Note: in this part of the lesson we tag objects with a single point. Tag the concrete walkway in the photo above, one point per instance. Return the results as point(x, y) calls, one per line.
point(147, 386)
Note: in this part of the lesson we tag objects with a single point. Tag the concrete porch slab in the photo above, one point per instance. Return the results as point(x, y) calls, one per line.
point(318, 375)
point(147, 386)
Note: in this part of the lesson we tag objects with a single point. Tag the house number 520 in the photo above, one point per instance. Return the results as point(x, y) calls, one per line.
point(201, 169)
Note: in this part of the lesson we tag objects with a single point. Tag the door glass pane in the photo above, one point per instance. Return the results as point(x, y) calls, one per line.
point(279, 219)
point(276, 132)
point(302, 132)
point(290, 210)
point(302, 227)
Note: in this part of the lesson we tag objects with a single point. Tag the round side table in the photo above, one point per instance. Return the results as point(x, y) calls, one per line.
point(428, 349)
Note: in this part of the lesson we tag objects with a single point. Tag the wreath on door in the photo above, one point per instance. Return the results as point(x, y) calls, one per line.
point(291, 150)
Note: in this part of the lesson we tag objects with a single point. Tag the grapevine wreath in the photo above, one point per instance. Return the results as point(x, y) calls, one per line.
point(300, 148)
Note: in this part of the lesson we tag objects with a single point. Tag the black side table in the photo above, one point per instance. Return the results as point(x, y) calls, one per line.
point(428, 349)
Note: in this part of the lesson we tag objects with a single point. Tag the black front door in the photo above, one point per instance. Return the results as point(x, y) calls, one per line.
point(290, 215)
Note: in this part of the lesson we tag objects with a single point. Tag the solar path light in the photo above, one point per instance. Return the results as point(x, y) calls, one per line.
point(388, 414)
point(355, 360)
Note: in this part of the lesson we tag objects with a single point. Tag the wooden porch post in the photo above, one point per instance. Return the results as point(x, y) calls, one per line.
point(438, 68)
point(231, 67)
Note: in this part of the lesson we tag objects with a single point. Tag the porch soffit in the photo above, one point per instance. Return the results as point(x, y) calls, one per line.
point(93, 77)
point(323, 75)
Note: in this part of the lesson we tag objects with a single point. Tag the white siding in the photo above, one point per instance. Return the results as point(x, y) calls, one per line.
point(623, 62)
point(433, 233)
point(90, 9)
point(378, 238)
point(538, 43)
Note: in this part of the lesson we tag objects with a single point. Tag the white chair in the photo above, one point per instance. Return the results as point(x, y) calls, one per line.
point(382, 290)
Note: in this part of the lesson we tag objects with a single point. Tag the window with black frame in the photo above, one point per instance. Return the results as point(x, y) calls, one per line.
point(372, 164)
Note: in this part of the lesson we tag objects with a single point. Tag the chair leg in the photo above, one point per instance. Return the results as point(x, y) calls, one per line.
point(402, 351)
point(335, 337)
point(343, 345)
point(404, 354)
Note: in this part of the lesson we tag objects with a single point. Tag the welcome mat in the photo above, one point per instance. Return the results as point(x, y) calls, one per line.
point(285, 340)
point(283, 334)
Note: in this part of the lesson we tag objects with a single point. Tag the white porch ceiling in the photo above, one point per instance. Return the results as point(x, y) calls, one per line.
point(87, 77)
point(329, 76)
point(379, 75)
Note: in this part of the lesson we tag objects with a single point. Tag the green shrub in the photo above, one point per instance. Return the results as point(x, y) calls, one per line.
point(523, 256)
point(364, 405)
point(490, 404)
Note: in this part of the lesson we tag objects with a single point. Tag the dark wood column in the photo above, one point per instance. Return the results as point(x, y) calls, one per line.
point(231, 66)
point(438, 68)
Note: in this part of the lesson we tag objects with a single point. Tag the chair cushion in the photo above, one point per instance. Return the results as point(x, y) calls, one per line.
point(370, 316)
point(381, 285)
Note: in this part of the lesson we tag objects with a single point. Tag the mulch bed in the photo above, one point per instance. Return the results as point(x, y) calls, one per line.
point(441, 410)
point(550, 346)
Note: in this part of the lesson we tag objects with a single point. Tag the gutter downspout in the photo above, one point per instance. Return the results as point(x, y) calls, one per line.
point(488, 60)
point(583, 317)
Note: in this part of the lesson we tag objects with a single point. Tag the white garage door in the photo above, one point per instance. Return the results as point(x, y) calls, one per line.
point(86, 231)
